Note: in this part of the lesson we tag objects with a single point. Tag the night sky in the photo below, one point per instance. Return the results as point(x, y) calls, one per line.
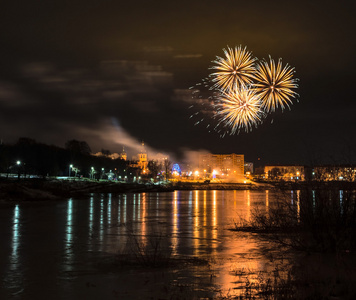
point(114, 73)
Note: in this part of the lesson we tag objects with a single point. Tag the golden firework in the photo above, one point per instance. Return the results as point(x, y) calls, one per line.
point(274, 84)
point(239, 108)
point(237, 67)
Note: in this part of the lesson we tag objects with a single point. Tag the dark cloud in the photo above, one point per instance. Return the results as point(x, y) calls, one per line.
point(69, 67)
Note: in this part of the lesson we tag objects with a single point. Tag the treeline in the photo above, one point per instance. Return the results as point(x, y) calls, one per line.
point(28, 157)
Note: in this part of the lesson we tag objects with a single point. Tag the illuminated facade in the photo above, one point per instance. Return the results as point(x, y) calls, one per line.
point(248, 166)
point(222, 164)
point(334, 173)
point(142, 159)
point(286, 173)
point(123, 154)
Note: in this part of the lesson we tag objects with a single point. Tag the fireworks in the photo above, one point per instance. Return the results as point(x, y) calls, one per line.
point(244, 90)
point(237, 68)
point(274, 84)
point(240, 108)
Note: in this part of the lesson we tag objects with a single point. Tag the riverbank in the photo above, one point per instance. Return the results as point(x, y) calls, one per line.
point(54, 189)
point(221, 186)
point(40, 189)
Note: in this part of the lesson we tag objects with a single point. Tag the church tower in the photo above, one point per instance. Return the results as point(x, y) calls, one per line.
point(123, 154)
point(142, 158)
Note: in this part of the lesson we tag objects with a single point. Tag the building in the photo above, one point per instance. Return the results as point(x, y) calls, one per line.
point(142, 159)
point(106, 153)
point(123, 154)
point(334, 173)
point(248, 166)
point(286, 173)
point(222, 164)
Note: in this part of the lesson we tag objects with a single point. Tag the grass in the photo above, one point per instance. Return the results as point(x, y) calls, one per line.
point(318, 230)
point(316, 221)
point(153, 251)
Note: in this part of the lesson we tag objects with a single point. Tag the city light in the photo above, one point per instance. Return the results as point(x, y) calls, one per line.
point(70, 170)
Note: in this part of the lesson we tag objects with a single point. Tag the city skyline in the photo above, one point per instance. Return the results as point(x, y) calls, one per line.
point(120, 74)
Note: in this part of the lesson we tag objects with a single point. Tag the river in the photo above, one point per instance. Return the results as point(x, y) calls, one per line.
point(69, 249)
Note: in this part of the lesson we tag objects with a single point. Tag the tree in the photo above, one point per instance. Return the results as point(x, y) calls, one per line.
point(167, 164)
point(154, 167)
point(78, 146)
point(105, 152)
point(275, 173)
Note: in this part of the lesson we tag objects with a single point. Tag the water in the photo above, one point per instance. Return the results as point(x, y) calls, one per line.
point(58, 249)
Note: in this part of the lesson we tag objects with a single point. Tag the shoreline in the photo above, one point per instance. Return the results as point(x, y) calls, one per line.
point(54, 189)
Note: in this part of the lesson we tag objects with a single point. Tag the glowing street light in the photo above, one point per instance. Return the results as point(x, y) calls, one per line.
point(70, 170)
point(92, 171)
point(214, 173)
point(18, 169)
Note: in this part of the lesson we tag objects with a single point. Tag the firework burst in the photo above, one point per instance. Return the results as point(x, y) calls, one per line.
point(239, 108)
point(242, 91)
point(237, 67)
point(275, 84)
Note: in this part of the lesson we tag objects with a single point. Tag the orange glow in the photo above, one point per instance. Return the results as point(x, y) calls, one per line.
point(175, 223)
point(196, 224)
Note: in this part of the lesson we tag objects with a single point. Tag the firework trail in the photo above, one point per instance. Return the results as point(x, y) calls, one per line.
point(237, 67)
point(239, 108)
point(274, 84)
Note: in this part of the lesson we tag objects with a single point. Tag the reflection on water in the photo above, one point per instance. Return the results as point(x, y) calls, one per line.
point(175, 224)
point(194, 223)
point(68, 245)
point(15, 237)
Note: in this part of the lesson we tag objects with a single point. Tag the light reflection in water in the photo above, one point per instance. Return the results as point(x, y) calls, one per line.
point(143, 221)
point(248, 201)
point(69, 252)
point(175, 223)
point(109, 210)
point(313, 193)
point(197, 214)
point(15, 238)
point(101, 227)
point(69, 223)
point(119, 209)
point(292, 197)
point(134, 208)
point(196, 230)
point(91, 220)
point(139, 207)
point(214, 217)
point(125, 205)
point(190, 202)
point(205, 216)
point(298, 205)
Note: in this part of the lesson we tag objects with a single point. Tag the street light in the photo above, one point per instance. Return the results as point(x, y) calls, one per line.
point(18, 169)
point(92, 173)
point(70, 169)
